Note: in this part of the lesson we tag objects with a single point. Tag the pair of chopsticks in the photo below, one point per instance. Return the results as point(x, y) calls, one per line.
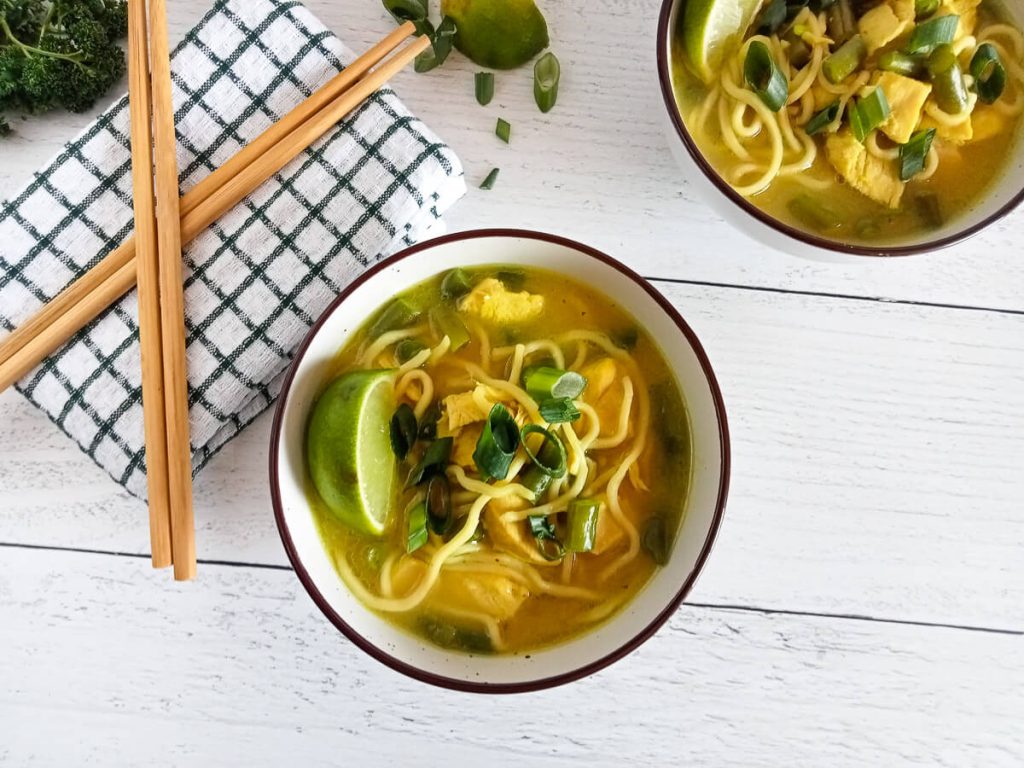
point(161, 302)
point(116, 273)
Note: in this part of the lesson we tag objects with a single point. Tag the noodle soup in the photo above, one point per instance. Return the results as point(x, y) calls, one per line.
point(498, 460)
point(865, 122)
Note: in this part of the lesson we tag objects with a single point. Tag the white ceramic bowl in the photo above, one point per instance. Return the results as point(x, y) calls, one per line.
point(655, 602)
point(1005, 193)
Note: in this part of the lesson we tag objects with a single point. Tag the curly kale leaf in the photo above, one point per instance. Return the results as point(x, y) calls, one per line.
point(59, 53)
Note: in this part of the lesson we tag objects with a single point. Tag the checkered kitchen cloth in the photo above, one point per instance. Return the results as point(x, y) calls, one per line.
point(257, 279)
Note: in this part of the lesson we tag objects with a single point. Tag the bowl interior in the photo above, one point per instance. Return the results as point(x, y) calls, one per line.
point(409, 653)
point(1004, 193)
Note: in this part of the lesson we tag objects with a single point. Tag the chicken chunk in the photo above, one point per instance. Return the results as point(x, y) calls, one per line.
point(880, 26)
point(511, 537)
point(491, 300)
point(609, 533)
point(906, 98)
point(461, 410)
point(604, 392)
point(465, 445)
point(466, 592)
point(954, 134)
point(872, 176)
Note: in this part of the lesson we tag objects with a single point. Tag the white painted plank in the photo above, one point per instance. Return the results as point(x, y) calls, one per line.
point(106, 662)
point(877, 452)
point(598, 167)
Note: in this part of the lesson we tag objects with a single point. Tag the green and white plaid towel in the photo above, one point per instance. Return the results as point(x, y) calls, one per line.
point(257, 279)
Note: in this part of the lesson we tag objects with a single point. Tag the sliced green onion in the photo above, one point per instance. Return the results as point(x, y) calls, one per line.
point(655, 540)
point(434, 460)
point(914, 154)
point(547, 539)
point(929, 35)
point(821, 120)
point(546, 74)
point(440, 46)
point(929, 210)
point(925, 8)
point(582, 525)
point(407, 349)
point(846, 60)
point(988, 72)
point(771, 17)
point(484, 83)
point(543, 383)
point(497, 444)
point(403, 431)
point(764, 77)
point(868, 113)
point(503, 130)
point(447, 323)
point(428, 421)
point(456, 284)
point(439, 505)
point(841, 24)
point(558, 410)
point(902, 63)
point(492, 177)
point(417, 535)
point(868, 227)
point(554, 468)
point(948, 86)
point(406, 10)
point(814, 213)
point(533, 477)
point(398, 314)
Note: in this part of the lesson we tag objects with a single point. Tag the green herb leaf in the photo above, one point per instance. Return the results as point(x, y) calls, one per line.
point(544, 534)
point(764, 77)
point(546, 74)
point(484, 83)
point(434, 460)
point(503, 130)
point(403, 431)
point(492, 177)
point(440, 46)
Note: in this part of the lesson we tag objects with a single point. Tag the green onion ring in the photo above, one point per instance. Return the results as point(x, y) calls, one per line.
point(764, 77)
point(559, 469)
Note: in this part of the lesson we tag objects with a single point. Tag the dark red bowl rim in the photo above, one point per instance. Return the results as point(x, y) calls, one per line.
point(665, 79)
point(555, 680)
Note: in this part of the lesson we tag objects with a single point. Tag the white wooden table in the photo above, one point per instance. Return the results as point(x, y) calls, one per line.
point(865, 600)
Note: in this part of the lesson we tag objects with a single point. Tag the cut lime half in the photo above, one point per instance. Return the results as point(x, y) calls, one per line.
point(712, 29)
point(348, 447)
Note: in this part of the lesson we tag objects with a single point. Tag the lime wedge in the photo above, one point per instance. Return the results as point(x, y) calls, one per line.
point(499, 34)
point(712, 29)
point(348, 447)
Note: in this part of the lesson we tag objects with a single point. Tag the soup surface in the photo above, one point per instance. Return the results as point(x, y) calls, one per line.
point(820, 150)
point(540, 480)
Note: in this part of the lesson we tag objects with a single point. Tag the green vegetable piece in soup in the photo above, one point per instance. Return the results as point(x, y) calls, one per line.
point(655, 540)
point(407, 349)
point(497, 445)
point(418, 534)
point(447, 635)
point(948, 86)
point(845, 61)
point(448, 324)
point(398, 314)
point(763, 76)
point(546, 383)
point(582, 525)
point(456, 284)
point(434, 460)
point(403, 431)
point(348, 448)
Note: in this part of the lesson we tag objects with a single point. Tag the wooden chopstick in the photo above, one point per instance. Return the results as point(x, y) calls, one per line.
point(172, 299)
point(153, 409)
point(109, 268)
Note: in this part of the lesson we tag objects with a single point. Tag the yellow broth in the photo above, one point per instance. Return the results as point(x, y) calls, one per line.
point(664, 466)
point(964, 175)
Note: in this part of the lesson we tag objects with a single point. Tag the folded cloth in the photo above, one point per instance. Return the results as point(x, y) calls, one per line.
point(254, 281)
